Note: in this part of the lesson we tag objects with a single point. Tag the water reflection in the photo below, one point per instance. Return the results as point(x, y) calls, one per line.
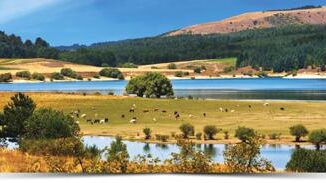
point(147, 148)
point(210, 150)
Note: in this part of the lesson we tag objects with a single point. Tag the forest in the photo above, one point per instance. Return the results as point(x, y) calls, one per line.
point(279, 49)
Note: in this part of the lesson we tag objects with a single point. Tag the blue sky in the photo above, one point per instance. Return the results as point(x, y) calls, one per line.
point(64, 22)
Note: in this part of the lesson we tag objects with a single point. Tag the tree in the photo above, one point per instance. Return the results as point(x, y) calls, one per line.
point(304, 160)
point(187, 129)
point(151, 84)
point(57, 76)
point(318, 137)
point(210, 131)
point(118, 154)
point(245, 157)
point(15, 114)
point(244, 134)
point(111, 73)
point(172, 66)
point(47, 123)
point(147, 132)
point(39, 42)
point(298, 131)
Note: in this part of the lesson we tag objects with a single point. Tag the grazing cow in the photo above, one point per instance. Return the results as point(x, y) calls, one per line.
point(106, 120)
point(96, 121)
point(122, 116)
point(177, 116)
point(226, 110)
point(204, 114)
point(155, 110)
point(249, 106)
point(145, 111)
point(133, 121)
point(77, 115)
point(89, 120)
point(132, 110)
point(175, 112)
point(164, 111)
point(282, 109)
point(266, 104)
point(102, 121)
point(221, 109)
point(232, 111)
point(154, 119)
point(83, 116)
point(133, 105)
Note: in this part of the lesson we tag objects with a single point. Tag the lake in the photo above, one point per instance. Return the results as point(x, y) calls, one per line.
point(251, 88)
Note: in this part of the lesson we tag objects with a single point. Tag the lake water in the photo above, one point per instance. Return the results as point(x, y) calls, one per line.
point(279, 155)
point(253, 88)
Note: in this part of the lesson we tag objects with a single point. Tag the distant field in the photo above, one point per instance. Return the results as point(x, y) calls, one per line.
point(264, 119)
point(230, 61)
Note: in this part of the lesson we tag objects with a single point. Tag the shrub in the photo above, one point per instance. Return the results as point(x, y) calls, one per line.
point(298, 131)
point(187, 130)
point(96, 76)
point(210, 131)
point(178, 74)
point(147, 132)
point(38, 76)
point(303, 160)
point(172, 66)
point(274, 136)
point(245, 157)
point(199, 136)
point(244, 134)
point(46, 123)
point(226, 135)
point(6, 77)
point(111, 73)
point(68, 72)
point(163, 138)
point(128, 65)
point(197, 70)
point(318, 137)
point(57, 76)
point(24, 74)
point(228, 69)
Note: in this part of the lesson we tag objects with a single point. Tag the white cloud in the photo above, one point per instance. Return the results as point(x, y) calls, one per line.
point(13, 9)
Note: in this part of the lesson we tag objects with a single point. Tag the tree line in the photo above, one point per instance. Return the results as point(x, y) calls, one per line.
point(12, 46)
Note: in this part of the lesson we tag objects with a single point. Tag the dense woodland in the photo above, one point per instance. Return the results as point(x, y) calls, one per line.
point(279, 49)
point(12, 46)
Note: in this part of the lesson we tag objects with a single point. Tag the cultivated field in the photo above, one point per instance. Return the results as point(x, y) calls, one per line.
point(265, 119)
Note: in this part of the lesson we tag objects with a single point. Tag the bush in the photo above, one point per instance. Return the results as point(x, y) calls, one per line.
point(303, 160)
point(318, 137)
point(128, 65)
point(226, 135)
point(38, 76)
point(163, 138)
point(244, 134)
point(187, 130)
point(147, 132)
point(57, 76)
point(24, 74)
point(70, 73)
point(197, 70)
point(298, 131)
point(210, 131)
point(46, 123)
point(172, 66)
point(228, 69)
point(6, 77)
point(111, 73)
point(96, 76)
point(178, 74)
point(274, 136)
point(199, 136)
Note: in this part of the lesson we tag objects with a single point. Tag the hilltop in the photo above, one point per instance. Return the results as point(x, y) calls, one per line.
point(259, 20)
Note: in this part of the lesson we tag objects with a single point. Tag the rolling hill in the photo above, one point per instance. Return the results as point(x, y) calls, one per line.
point(259, 20)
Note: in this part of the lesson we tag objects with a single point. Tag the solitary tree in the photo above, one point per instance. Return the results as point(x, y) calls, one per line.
point(244, 134)
point(187, 129)
point(318, 137)
point(118, 154)
point(210, 131)
point(298, 131)
point(147, 132)
point(151, 84)
point(15, 114)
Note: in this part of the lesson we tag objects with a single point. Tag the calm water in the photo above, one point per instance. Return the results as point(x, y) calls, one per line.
point(279, 155)
point(267, 88)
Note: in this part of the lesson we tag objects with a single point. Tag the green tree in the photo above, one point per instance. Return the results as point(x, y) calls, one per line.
point(318, 137)
point(245, 157)
point(304, 160)
point(244, 134)
point(47, 123)
point(150, 84)
point(298, 131)
point(118, 154)
point(210, 131)
point(15, 114)
point(187, 129)
point(147, 132)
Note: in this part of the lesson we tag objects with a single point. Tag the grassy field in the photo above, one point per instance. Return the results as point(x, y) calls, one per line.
point(264, 119)
point(229, 61)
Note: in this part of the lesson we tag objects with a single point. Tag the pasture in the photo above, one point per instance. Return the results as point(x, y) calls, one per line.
point(151, 113)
